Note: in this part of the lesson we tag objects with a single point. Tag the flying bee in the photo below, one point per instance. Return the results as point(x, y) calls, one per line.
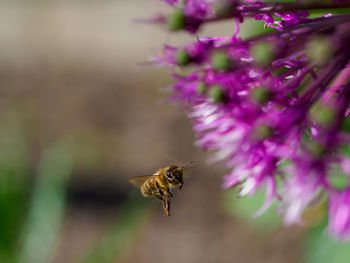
point(161, 183)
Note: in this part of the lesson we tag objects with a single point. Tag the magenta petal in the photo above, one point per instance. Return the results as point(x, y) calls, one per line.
point(339, 214)
point(270, 195)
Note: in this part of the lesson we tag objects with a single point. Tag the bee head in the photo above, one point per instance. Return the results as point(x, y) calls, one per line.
point(174, 175)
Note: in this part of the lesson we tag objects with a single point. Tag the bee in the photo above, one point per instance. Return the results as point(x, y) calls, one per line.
point(161, 183)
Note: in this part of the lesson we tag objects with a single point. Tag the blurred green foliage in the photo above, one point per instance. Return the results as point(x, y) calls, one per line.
point(47, 205)
point(319, 247)
point(14, 186)
point(244, 208)
point(32, 208)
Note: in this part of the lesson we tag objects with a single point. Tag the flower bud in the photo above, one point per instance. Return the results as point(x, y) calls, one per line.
point(324, 116)
point(339, 180)
point(224, 8)
point(221, 61)
point(263, 132)
point(316, 149)
point(216, 93)
point(319, 50)
point(262, 53)
point(182, 58)
point(176, 20)
point(261, 95)
point(202, 88)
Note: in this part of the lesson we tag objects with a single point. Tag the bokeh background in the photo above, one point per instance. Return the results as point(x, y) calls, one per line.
point(80, 114)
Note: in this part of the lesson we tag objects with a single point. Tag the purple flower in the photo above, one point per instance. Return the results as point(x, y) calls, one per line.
point(339, 214)
point(299, 192)
point(275, 106)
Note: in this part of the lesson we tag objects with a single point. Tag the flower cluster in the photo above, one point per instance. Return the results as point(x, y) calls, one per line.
point(275, 106)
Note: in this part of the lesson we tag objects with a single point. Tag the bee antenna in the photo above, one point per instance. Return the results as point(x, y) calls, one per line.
point(187, 164)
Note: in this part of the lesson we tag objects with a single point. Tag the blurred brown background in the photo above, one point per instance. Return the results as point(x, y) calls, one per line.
point(71, 69)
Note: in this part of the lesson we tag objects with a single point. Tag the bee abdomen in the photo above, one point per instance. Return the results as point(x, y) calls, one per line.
point(146, 188)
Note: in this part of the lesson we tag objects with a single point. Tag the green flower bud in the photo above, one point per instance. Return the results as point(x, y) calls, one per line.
point(176, 20)
point(261, 95)
point(216, 93)
point(323, 115)
point(316, 149)
point(202, 88)
point(221, 61)
point(319, 50)
point(338, 179)
point(224, 8)
point(182, 58)
point(262, 53)
point(263, 132)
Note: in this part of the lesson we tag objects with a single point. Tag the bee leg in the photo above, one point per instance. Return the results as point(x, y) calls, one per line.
point(169, 194)
point(163, 194)
point(165, 201)
point(180, 187)
point(166, 206)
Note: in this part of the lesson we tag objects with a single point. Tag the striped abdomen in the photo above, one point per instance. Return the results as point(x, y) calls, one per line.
point(155, 186)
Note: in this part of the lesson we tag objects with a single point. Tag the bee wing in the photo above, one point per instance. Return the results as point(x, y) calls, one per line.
point(139, 180)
